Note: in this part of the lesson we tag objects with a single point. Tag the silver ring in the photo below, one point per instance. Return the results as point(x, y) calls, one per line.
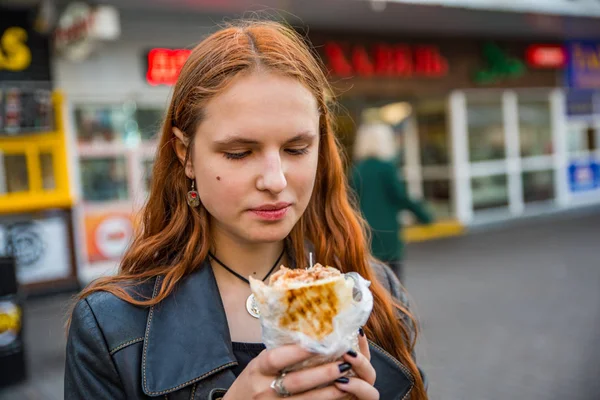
point(277, 386)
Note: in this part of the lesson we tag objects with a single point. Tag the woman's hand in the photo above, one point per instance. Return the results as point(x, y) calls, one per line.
point(255, 381)
point(324, 382)
point(360, 386)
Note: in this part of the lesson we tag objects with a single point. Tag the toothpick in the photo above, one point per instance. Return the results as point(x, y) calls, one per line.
point(311, 260)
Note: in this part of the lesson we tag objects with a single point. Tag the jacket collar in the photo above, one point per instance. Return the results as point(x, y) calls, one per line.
point(187, 336)
point(187, 340)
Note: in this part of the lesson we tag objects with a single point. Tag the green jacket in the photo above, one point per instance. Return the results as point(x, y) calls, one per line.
point(382, 196)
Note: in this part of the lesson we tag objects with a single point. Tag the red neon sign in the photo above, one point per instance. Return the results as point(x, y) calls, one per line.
point(164, 65)
point(382, 60)
point(546, 56)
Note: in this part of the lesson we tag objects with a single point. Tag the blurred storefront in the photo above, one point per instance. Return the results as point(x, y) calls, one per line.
point(583, 121)
point(483, 121)
point(35, 196)
point(479, 121)
point(117, 91)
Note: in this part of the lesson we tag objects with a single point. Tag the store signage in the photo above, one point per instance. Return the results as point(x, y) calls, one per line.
point(164, 65)
point(40, 246)
point(10, 323)
point(81, 26)
point(583, 103)
point(385, 60)
point(25, 111)
point(584, 176)
point(546, 56)
point(583, 68)
point(108, 235)
point(24, 53)
point(499, 66)
point(15, 55)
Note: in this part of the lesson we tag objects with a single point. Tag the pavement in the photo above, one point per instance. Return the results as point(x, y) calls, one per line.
point(508, 312)
point(45, 340)
point(512, 313)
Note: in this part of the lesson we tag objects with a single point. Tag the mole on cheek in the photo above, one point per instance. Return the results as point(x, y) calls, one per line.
point(218, 178)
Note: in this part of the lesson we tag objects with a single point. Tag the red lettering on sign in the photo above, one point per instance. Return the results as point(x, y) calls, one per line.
point(546, 56)
point(393, 60)
point(361, 62)
point(164, 65)
point(430, 62)
point(383, 60)
point(403, 64)
point(337, 60)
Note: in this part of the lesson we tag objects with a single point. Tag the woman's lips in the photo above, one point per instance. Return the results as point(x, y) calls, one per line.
point(271, 214)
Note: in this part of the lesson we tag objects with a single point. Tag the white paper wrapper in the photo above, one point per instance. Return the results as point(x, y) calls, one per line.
point(323, 316)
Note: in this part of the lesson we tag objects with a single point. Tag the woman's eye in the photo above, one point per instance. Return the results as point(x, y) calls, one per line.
point(236, 156)
point(297, 152)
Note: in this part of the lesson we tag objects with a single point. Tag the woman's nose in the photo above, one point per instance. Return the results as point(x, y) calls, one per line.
point(272, 177)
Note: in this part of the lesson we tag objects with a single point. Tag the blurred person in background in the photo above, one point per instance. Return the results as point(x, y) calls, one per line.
point(247, 172)
point(381, 194)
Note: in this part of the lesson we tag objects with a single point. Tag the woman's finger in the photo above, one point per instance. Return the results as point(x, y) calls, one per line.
point(327, 393)
point(271, 362)
point(361, 366)
point(363, 344)
point(358, 388)
point(310, 378)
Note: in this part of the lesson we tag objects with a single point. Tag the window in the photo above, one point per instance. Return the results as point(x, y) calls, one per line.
point(147, 167)
point(535, 128)
point(15, 171)
point(106, 124)
point(485, 126)
point(433, 133)
point(437, 197)
point(122, 124)
point(25, 111)
point(104, 179)
point(47, 169)
point(489, 192)
point(582, 136)
point(149, 122)
point(538, 186)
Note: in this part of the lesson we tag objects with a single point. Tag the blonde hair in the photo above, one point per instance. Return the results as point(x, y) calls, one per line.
point(374, 140)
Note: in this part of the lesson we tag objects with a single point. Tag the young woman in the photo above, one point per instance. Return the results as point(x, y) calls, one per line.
point(247, 177)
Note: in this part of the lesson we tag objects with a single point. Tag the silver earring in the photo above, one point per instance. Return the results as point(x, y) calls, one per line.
point(193, 199)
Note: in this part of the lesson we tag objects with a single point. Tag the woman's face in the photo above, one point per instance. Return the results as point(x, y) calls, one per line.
point(254, 157)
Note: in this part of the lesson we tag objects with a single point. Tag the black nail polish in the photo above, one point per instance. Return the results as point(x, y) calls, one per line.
point(351, 353)
point(344, 367)
point(343, 379)
point(361, 331)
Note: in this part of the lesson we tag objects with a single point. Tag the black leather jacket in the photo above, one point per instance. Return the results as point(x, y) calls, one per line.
point(178, 349)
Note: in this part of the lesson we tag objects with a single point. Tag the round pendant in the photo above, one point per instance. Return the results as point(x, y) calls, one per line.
point(252, 306)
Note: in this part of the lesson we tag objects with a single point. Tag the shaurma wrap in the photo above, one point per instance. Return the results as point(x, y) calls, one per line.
point(319, 308)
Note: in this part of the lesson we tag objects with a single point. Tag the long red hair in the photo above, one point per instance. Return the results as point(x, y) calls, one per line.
point(173, 238)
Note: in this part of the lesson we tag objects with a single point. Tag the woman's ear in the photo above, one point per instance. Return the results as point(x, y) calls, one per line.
point(180, 145)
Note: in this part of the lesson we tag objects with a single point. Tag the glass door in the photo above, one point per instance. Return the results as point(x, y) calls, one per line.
point(505, 145)
point(423, 145)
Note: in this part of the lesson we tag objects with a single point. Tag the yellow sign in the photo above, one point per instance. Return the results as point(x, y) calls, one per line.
point(587, 57)
point(10, 320)
point(14, 53)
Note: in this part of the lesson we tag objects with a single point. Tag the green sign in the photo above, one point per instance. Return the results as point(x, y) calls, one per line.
point(499, 66)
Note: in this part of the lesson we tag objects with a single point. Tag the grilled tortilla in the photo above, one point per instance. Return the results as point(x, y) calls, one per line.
point(304, 300)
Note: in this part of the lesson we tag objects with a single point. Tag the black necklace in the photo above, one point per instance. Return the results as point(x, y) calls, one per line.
point(251, 304)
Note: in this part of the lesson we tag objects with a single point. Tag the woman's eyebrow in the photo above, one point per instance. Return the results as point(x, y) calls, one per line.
point(302, 137)
point(239, 140)
point(233, 140)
